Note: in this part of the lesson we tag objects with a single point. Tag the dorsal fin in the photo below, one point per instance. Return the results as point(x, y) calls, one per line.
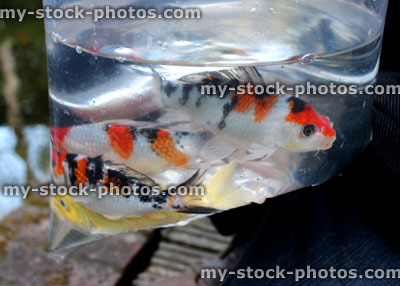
point(239, 75)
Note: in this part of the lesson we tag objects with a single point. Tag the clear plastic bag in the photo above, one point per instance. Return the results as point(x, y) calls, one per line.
point(128, 109)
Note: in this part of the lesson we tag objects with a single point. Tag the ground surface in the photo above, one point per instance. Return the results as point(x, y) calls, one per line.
point(171, 256)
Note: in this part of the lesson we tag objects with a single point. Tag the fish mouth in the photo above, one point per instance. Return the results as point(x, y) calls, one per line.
point(328, 143)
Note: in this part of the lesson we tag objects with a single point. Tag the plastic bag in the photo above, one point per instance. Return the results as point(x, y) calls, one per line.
point(130, 107)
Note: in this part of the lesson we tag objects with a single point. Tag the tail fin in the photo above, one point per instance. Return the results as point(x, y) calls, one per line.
point(57, 136)
point(221, 194)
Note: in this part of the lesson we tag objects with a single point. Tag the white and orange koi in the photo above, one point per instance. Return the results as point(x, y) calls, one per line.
point(146, 150)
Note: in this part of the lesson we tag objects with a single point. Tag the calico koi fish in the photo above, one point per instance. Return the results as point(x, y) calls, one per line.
point(246, 119)
point(146, 150)
point(220, 193)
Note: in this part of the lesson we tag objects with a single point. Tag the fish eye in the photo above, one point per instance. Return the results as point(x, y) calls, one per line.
point(63, 203)
point(308, 130)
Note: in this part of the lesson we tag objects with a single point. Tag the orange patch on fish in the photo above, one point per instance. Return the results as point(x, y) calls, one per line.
point(80, 172)
point(58, 136)
point(164, 146)
point(58, 159)
point(171, 201)
point(309, 116)
point(107, 182)
point(121, 140)
point(113, 185)
point(263, 107)
point(301, 118)
point(244, 102)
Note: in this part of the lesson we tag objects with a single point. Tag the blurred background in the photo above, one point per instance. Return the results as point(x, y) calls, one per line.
point(23, 41)
point(23, 102)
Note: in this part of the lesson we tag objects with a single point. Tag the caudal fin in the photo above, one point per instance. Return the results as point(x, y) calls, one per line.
point(220, 194)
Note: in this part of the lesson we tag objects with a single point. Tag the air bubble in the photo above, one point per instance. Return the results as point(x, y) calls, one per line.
point(164, 46)
point(120, 59)
point(149, 43)
point(253, 10)
point(308, 58)
point(78, 50)
point(272, 10)
point(55, 37)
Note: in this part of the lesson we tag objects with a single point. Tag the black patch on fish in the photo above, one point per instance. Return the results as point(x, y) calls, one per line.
point(185, 93)
point(169, 88)
point(107, 126)
point(180, 134)
point(95, 171)
point(271, 91)
point(198, 101)
point(228, 107)
point(151, 116)
point(157, 201)
point(298, 104)
point(198, 210)
point(267, 92)
point(72, 165)
point(119, 179)
point(133, 131)
point(150, 134)
point(261, 96)
point(158, 207)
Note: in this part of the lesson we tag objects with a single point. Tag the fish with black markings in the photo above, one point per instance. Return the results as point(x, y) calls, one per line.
point(129, 193)
point(243, 118)
point(147, 150)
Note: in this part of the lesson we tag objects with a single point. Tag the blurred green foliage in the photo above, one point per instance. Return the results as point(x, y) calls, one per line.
point(28, 41)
